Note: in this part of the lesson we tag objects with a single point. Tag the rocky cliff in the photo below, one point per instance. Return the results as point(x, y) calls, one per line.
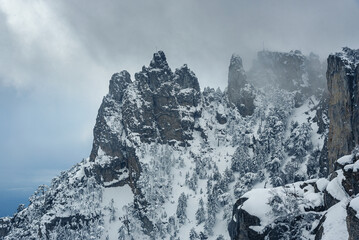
point(240, 92)
point(159, 106)
point(343, 79)
point(169, 160)
point(325, 208)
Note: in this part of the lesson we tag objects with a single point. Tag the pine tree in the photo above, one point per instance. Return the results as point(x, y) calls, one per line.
point(181, 208)
point(212, 209)
point(242, 162)
point(122, 233)
point(285, 209)
point(228, 175)
point(193, 181)
point(200, 214)
point(193, 234)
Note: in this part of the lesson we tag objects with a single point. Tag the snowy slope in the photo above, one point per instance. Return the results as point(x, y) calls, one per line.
point(325, 208)
point(145, 178)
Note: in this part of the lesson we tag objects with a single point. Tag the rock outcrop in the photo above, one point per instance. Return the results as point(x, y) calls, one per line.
point(343, 80)
point(5, 224)
point(239, 227)
point(315, 208)
point(331, 204)
point(240, 92)
point(159, 106)
point(291, 71)
point(158, 139)
point(352, 223)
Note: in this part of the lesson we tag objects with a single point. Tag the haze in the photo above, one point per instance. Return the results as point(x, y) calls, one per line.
point(58, 56)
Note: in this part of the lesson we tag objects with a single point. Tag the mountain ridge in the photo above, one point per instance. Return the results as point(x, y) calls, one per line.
point(161, 146)
point(324, 208)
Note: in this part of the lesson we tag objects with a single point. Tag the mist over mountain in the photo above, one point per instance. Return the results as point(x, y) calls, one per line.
point(57, 58)
point(170, 161)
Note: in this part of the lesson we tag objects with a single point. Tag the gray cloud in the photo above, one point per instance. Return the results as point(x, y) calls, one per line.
point(57, 57)
point(79, 44)
point(205, 33)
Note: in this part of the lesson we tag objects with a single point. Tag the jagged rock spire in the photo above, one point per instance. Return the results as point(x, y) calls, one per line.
point(240, 93)
point(186, 78)
point(343, 80)
point(159, 61)
point(156, 73)
point(118, 83)
point(236, 62)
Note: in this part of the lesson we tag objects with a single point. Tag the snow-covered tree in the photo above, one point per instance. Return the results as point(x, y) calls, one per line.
point(212, 209)
point(200, 213)
point(182, 208)
point(193, 235)
point(242, 162)
point(299, 142)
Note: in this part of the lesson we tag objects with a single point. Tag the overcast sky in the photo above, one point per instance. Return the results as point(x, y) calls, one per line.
point(58, 56)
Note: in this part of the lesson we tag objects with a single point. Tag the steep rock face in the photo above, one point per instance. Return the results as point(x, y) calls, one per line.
point(343, 79)
point(240, 92)
point(239, 227)
point(334, 200)
point(314, 209)
point(321, 118)
point(168, 161)
point(159, 106)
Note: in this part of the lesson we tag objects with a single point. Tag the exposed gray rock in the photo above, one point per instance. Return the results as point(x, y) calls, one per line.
point(352, 223)
point(343, 79)
point(118, 84)
point(5, 224)
point(240, 92)
point(221, 118)
point(159, 106)
point(239, 226)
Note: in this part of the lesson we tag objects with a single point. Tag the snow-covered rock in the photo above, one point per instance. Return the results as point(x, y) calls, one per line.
point(343, 80)
point(169, 161)
point(326, 208)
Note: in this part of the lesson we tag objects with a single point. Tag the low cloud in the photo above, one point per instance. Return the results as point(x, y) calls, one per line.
point(58, 56)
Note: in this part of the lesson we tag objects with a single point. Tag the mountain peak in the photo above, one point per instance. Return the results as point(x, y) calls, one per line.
point(240, 93)
point(348, 55)
point(159, 60)
point(158, 139)
point(236, 61)
point(186, 78)
point(118, 83)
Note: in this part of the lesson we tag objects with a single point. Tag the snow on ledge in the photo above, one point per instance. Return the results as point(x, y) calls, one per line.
point(257, 206)
point(347, 159)
point(335, 187)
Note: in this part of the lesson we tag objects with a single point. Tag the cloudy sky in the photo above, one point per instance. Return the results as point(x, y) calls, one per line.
point(57, 57)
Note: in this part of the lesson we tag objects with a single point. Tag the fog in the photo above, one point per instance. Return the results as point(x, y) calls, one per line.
point(58, 56)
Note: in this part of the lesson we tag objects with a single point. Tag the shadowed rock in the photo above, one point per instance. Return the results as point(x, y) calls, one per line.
point(240, 92)
point(343, 80)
